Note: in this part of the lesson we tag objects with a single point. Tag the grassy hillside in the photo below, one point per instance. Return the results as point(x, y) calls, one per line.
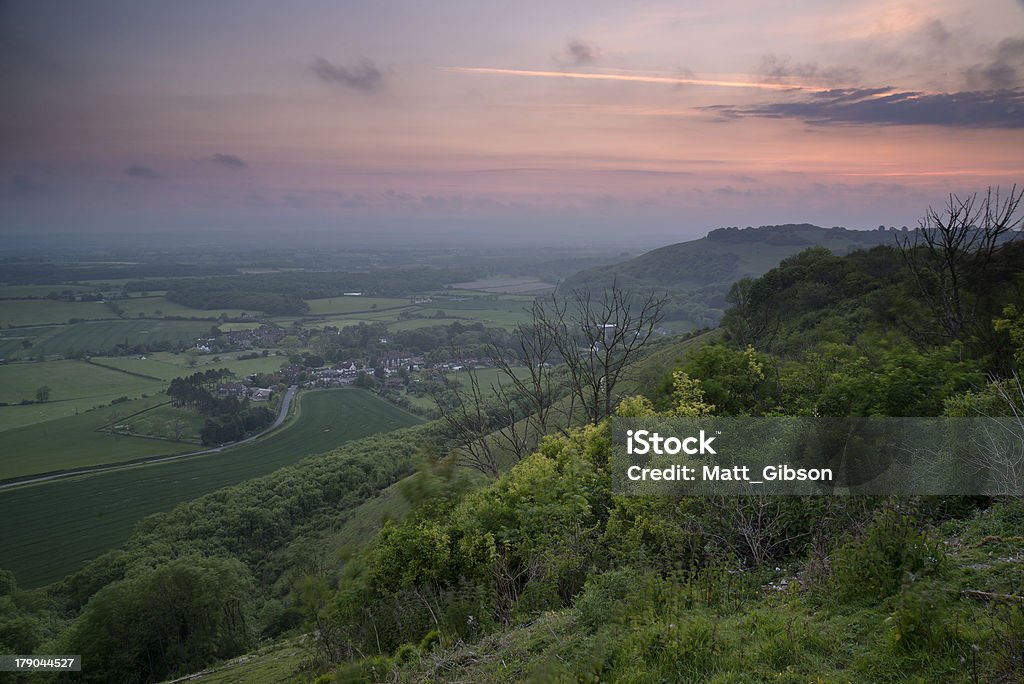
point(698, 273)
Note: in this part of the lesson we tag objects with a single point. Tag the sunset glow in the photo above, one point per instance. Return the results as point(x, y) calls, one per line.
point(409, 118)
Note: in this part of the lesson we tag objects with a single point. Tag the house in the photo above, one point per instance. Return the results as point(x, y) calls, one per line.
point(232, 389)
point(393, 360)
point(260, 393)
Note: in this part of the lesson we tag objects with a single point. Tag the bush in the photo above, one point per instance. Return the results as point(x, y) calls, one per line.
point(889, 553)
point(612, 597)
point(921, 619)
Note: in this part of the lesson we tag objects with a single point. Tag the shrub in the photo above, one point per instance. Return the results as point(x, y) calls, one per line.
point(890, 552)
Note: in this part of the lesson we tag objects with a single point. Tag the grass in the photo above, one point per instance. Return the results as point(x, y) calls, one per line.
point(347, 305)
point(97, 337)
point(161, 306)
point(75, 442)
point(168, 422)
point(75, 387)
point(11, 341)
point(19, 312)
point(78, 386)
point(21, 291)
point(509, 285)
point(233, 326)
point(68, 380)
point(167, 365)
point(275, 662)
point(97, 512)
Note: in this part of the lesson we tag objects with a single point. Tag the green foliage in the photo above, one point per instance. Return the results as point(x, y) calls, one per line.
point(890, 553)
point(879, 377)
point(253, 519)
point(922, 620)
point(172, 619)
point(731, 382)
point(1012, 324)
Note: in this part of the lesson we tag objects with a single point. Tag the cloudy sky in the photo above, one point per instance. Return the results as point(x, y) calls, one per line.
point(549, 120)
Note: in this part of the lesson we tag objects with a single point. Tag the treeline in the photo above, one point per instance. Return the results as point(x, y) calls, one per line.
point(23, 272)
point(316, 284)
point(221, 295)
point(794, 234)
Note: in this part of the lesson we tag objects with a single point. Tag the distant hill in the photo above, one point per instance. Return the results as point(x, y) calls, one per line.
point(698, 273)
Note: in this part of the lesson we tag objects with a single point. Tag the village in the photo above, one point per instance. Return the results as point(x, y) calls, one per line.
point(393, 370)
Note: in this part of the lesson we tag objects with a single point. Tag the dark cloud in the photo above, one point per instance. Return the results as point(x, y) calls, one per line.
point(144, 172)
point(884, 106)
point(1004, 70)
point(228, 160)
point(364, 76)
point(581, 53)
point(776, 69)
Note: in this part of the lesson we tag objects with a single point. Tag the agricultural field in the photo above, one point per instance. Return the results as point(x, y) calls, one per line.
point(80, 440)
point(74, 387)
point(168, 365)
point(23, 291)
point(166, 421)
point(348, 305)
point(231, 326)
point(508, 285)
point(79, 386)
point(101, 336)
point(22, 312)
point(43, 542)
point(158, 307)
point(71, 379)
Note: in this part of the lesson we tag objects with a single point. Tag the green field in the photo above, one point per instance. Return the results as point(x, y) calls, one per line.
point(156, 307)
point(101, 336)
point(11, 340)
point(347, 305)
point(167, 365)
point(77, 441)
point(166, 421)
point(22, 291)
point(75, 386)
point(18, 312)
point(69, 379)
point(43, 542)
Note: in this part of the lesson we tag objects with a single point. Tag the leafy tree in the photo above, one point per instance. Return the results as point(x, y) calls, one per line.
point(172, 619)
point(1012, 324)
point(43, 394)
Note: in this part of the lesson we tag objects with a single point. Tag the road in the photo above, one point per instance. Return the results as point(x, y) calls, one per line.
point(281, 415)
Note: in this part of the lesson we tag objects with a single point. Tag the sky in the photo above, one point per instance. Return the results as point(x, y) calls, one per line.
point(440, 122)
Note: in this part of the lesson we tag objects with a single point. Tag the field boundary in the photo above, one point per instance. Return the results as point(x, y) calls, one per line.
point(39, 478)
point(122, 370)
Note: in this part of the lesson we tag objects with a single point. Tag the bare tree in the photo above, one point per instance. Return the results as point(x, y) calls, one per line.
point(530, 372)
point(953, 247)
point(465, 414)
point(599, 339)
